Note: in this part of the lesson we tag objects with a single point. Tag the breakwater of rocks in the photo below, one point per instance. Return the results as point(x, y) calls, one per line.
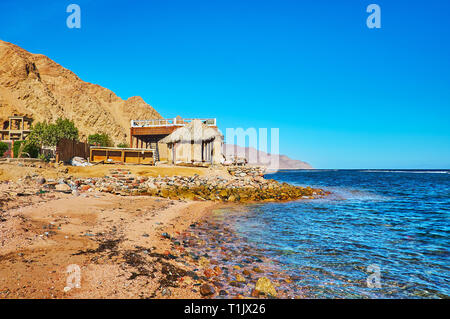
point(241, 184)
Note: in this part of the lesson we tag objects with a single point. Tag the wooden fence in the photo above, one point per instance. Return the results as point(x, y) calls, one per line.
point(67, 149)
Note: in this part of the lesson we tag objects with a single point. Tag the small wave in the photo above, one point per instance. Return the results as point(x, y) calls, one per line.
point(341, 193)
point(412, 172)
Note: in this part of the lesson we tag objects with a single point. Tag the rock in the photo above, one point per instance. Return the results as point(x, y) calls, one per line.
point(41, 180)
point(257, 269)
point(217, 270)
point(240, 278)
point(223, 293)
point(235, 283)
point(209, 273)
point(255, 293)
point(63, 188)
point(166, 235)
point(265, 286)
point(207, 290)
point(204, 262)
point(166, 292)
point(84, 188)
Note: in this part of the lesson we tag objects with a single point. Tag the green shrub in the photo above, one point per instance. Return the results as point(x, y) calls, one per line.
point(25, 149)
point(102, 139)
point(45, 157)
point(3, 148)
point(16, 148)
point(123, 145)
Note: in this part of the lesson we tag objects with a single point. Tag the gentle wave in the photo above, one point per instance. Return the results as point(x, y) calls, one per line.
point(412, 172)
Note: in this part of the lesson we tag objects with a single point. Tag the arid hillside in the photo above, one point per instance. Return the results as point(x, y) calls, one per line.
point(36, 86)
point(257, 157)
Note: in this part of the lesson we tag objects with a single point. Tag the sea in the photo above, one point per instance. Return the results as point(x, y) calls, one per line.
point(380, 234)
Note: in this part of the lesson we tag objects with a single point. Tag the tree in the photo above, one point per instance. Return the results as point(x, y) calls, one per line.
point(46, 134)
point(102, 139)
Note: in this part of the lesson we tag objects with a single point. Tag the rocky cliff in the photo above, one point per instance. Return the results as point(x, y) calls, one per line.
point(36, 86)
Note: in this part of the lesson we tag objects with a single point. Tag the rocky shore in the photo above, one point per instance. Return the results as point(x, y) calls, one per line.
point(132, 245)
point(244, 184)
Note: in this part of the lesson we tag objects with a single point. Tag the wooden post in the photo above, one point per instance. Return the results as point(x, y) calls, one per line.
point(131, 137)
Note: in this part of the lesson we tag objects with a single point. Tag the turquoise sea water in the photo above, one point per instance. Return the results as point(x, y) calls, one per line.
point(398, 221)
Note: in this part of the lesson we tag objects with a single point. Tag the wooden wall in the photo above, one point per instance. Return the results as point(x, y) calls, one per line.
point(67, 149)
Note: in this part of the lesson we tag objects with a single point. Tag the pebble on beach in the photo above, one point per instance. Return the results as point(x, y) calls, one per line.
point(207, 290)
point(265, 286)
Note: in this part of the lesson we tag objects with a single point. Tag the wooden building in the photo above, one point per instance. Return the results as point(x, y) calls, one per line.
point(148, 134)
point(195, 143)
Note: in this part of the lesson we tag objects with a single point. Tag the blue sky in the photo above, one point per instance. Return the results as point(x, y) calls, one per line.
point(342, 95)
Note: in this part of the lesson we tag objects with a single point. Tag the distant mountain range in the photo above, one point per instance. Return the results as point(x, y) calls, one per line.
point(255, 157)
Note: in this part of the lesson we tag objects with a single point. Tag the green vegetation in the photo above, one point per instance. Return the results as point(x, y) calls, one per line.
point(3, 148)
point(123, 145)
point(25, 149)
point(102, 139)
point(47, 134)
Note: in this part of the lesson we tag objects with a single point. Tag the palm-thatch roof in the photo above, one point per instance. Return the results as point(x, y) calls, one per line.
point(195, 131)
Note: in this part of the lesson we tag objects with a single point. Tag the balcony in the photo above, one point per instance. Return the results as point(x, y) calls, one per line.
point(170, 122)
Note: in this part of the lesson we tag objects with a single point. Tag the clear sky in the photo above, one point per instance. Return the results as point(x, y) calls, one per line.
point(342, 95)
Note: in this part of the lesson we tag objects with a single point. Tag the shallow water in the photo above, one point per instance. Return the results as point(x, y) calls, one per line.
point(397, 221)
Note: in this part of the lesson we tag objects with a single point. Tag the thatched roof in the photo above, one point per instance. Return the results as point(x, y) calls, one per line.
point(194, 131)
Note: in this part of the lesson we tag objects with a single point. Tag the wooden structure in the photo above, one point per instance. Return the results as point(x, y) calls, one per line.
point(121, 155)
point(147, 134)
point(67, 149)
point(17, 128)
point(195, 143)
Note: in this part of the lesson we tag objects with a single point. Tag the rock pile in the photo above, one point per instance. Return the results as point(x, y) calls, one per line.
point(242, 171)
point(251, 187)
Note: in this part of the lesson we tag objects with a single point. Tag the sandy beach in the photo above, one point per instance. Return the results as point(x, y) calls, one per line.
point(111, 238)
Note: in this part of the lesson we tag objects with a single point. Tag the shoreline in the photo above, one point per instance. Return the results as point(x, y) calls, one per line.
point(116, 241)
point(125, 243)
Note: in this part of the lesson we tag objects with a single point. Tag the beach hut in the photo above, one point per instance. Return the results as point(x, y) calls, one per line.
point(195, 143)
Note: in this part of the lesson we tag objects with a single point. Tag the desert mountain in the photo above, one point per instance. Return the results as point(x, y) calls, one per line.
point(36, 86)
point(257, 157)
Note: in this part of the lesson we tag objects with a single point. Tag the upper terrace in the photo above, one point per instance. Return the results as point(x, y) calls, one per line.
point(177, 121)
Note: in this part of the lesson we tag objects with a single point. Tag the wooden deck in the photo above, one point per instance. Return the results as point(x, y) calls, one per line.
point(122, 155)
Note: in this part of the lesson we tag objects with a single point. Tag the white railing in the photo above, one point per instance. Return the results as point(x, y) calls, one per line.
point(169, 122)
